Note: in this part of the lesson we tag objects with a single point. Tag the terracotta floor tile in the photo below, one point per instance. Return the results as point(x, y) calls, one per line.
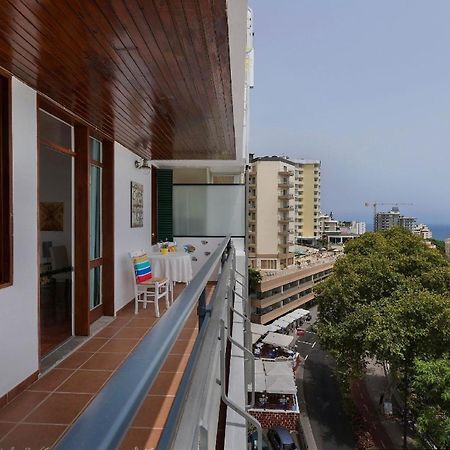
point(131, 332)
point(51, 380)
point(85, 381)
point(93, 344)
point(104, 361)
point(153, 438)
point(119, 345)
point(22, 405)
point(144, 322)
point(136, 438)
point(153, 412)
point(120, 321)
point(175, 363)
point(32, 437)
point(108, 332)
point(59, 409)
point(188, 333)
point(166, 384)
point(182, 347)
point(75, 360)
point(6, 427)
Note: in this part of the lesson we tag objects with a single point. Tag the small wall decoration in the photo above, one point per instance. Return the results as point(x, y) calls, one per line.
point(51, 216)
point(137, 205)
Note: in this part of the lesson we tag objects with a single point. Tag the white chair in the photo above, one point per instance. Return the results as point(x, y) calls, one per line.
point(149, 291)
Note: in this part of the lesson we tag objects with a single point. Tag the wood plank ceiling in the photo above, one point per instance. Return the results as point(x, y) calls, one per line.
point(152, 74)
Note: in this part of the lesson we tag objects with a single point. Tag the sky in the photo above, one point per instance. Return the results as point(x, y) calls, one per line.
point(364, 86)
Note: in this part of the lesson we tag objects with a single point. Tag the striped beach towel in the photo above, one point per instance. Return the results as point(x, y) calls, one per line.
point(142, 268)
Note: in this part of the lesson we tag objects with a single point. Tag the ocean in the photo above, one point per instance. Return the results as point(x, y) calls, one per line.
point(440, 232)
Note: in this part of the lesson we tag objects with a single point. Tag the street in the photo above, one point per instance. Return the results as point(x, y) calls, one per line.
point(330, 425)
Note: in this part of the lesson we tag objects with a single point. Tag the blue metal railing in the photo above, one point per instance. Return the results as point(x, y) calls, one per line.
point(104, 423)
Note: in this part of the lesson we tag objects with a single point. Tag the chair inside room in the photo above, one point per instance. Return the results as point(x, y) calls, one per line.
point(147, 289)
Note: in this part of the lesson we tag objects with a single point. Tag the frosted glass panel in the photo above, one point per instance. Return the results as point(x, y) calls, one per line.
point(208, 210)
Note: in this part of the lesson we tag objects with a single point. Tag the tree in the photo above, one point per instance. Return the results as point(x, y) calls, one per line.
point(415, 325)
point(388, 298)
point(431, 385)
point(254, 278)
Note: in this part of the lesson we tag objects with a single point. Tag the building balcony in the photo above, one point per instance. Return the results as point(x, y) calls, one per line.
point(136, 364)
point(284, 220)
point(285, 196)
point(286, 173)
point(285, 232)
point(285, 208)
point(285, 184)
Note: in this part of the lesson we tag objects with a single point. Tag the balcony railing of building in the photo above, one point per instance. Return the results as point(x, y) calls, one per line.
point(286, 173)
point(193, 420)
point(285, 184)
point(283, 196)
point(285, 208)
point(284, 219)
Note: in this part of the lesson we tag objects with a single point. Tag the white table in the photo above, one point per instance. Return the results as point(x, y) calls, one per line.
point(175, 266)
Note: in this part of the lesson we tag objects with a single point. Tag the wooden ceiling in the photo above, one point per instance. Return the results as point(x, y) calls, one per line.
point(152, 74)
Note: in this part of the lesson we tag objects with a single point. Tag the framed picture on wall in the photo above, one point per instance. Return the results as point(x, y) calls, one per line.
point(137, 205)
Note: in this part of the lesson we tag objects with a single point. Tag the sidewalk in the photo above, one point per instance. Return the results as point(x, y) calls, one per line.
point(386, 432)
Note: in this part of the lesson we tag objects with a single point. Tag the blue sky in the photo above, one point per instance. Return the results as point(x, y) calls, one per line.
point(364, 86)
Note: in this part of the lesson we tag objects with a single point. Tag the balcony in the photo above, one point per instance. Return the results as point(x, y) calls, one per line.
point(285, 208)
point(285, 232)
point(285, 184)
point(137, 382)
point(285, 196)
point(284, 220)
point(286, 173)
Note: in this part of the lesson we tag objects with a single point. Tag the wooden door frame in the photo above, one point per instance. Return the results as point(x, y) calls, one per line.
point(82, 133)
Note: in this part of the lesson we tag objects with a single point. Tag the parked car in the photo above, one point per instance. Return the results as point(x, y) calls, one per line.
point(253, 441)
point(281, 439)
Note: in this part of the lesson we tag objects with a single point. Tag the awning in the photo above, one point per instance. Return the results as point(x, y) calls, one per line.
point(281, 384)
point(259, 329)
point(274, 377)
point(278, 340)
point(273, 327)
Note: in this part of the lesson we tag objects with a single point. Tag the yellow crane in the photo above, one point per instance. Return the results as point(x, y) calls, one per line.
point(374, 206)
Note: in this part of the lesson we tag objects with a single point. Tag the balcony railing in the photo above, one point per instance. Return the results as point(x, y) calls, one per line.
point(286, 173)
point(194, 415)
point(285, 208)
point(285, 196)
point(285, 184)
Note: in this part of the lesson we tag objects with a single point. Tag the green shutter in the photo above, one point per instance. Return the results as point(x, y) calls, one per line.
point(165, 215)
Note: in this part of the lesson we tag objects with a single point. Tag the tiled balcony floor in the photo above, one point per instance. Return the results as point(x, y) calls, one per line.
point(40, 415)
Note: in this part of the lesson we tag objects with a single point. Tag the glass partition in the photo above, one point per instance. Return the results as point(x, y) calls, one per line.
point(209, 210)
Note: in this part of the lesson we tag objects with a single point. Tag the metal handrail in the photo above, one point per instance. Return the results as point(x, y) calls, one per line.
point(186, 424)
point(104, 423)
point(225, 398)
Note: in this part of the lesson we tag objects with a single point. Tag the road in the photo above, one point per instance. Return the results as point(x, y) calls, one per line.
point(330, 425)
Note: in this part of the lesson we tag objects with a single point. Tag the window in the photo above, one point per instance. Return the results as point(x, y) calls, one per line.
point(6, 262)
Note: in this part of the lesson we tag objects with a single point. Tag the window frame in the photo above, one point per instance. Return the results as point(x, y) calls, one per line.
point(6, 203)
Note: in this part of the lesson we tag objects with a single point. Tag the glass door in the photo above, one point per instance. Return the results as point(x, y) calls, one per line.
point(56, 212)
point(95, 228)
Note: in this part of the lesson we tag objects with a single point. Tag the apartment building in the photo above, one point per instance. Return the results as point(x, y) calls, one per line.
point(284, 291)
point(102, 107)
point(284, 205)
point(393, 218)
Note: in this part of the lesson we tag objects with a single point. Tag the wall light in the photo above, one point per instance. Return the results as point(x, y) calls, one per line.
point(142, 164)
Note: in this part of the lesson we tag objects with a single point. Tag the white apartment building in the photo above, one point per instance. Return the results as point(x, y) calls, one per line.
point(284, 204)
point(423, 231)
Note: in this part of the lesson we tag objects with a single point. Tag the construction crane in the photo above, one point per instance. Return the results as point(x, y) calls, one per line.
point(375, 204)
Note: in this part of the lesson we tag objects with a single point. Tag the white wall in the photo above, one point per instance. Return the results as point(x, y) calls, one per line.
point(128, 239)
point(18, 303)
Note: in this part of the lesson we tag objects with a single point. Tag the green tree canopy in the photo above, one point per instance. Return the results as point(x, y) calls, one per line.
point(388, 298)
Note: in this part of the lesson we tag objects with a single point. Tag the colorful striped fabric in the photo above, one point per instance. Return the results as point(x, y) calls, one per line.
point(142, 268)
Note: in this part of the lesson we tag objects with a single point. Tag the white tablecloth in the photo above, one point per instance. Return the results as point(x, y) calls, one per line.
point(175, 266)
